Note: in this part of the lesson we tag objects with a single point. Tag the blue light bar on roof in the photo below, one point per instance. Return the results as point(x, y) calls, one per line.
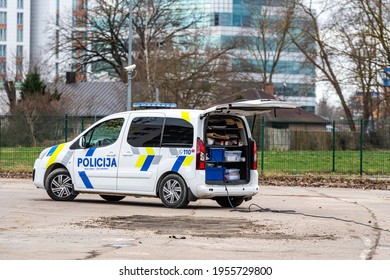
point(146, 105)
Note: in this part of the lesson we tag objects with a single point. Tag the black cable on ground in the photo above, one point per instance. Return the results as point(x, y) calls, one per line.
point(260, 209)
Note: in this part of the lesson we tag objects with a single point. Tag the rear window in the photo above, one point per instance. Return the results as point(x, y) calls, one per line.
point(178, 133)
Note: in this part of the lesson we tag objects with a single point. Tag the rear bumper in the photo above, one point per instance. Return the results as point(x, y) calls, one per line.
point(202, 190)
point(211, 191)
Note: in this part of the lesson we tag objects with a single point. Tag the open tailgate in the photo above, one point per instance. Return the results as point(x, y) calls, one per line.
point(249, 107)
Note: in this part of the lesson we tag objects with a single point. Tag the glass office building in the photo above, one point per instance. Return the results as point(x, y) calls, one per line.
point(293, 78)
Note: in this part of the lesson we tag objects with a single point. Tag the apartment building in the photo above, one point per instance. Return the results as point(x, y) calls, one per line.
point(14, 38)
point(14, 43)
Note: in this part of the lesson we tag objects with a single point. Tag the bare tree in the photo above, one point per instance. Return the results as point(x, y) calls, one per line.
point(99, 38)
point(36, 103)
point(375, 16)
point(267, 38)
point(360, 51)
point(314, 41)
point(197, 74)
point(9, 87)
point(325, 109)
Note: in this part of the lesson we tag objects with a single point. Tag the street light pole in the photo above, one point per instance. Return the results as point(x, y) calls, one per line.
point(129, 57)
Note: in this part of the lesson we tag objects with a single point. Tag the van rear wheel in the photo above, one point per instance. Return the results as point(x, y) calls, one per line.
point(173, 191)
point(230, 201)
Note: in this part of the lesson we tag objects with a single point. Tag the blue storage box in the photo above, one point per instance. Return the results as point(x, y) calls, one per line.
point(217, 154)
point(215, 173)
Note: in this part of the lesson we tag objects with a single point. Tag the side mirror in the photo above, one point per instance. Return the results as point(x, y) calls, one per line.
point(82, 142)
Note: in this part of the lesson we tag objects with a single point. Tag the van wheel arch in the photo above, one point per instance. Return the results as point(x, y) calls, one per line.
point(53, 167)
point(191, 196)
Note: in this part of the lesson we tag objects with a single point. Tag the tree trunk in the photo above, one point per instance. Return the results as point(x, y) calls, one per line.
point(9, 87)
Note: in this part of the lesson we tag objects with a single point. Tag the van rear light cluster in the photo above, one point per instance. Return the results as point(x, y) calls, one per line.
point(200, 155)
point(254, 167)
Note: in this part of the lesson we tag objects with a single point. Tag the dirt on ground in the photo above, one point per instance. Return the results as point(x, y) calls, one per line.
point(307, 180)
point(181, 227)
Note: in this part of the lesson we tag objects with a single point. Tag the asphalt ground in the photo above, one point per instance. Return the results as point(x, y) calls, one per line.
point(280, 223)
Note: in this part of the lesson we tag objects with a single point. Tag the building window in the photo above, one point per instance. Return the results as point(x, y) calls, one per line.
point(3, 67)
point(19, 51)
point(3, 34)
point(3, 50)
point(20, 18)
point(19, 68)
point(79, 5)
point(20, 4)
point(19, 35)
point(3, 18)
point(216, 19)
point(3, 3)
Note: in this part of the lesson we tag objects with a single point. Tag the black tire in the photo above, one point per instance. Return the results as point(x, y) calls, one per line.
point(230, 202)
point(59, 185)
point(173, 191)
point(112, 197)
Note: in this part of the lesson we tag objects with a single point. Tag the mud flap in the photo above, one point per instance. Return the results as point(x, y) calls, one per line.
point(191, 196)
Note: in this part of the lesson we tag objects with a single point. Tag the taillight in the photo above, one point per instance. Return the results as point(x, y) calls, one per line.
point(254, 167)
point(200, 155)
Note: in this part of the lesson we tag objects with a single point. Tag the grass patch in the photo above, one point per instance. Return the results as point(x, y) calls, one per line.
point(18, 159)
point(376, 162)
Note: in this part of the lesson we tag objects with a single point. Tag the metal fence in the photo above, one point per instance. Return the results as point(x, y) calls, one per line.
point(23, 137)
point(282, 148)
point(332, 148)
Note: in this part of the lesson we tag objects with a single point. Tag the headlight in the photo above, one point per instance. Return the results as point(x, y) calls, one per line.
point(43, 153)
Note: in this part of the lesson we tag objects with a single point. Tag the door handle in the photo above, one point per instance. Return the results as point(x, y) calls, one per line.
point(128, 154)
point(111, 154)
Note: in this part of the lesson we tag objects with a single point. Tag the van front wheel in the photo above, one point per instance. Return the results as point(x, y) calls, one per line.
point(59, 185)
point(229, 201)
point(173, 191)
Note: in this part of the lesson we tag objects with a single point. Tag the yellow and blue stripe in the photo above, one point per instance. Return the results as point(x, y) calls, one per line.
point(144, 161)
point(85, 180)
point(182, 161)
point(53, 154)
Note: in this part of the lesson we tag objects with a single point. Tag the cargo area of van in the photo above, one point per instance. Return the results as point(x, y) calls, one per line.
point(228, 152)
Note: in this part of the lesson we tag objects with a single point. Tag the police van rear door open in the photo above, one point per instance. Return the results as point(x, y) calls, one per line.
point(249, 107)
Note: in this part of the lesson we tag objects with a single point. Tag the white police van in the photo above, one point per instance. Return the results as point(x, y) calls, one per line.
point(176, 155)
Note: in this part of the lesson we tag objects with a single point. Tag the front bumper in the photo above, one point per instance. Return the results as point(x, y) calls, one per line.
point(39, 175)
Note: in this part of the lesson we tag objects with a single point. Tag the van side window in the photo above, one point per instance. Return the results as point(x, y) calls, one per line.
point(145, 132)
point(105, 133)
point(177, 133)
